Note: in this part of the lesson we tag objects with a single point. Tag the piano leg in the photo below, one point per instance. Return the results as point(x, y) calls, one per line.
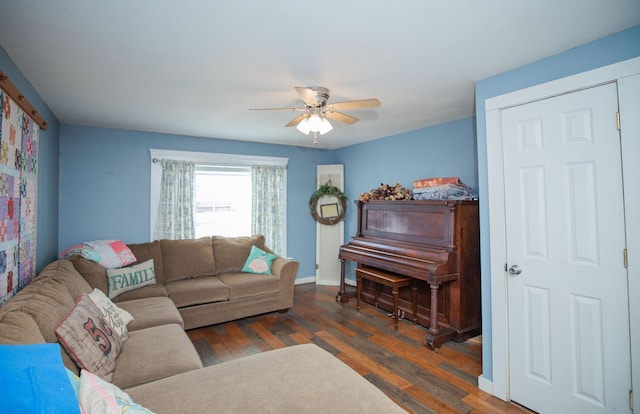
point(414, 301)
point(343, 296)
point(395, 291)
point(433, 326)
point(358, 291)
point(435, 336)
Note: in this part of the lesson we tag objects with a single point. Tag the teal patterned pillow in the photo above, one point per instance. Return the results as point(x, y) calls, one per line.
point(259, 261)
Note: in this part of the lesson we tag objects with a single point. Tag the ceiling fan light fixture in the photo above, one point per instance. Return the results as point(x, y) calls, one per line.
point(325, 126)
point(315, 123)
point(303, 126)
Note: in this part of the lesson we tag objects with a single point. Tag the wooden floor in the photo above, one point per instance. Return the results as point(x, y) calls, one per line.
point(417, 378)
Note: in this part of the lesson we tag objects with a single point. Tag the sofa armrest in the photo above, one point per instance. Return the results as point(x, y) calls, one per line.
point(286, 270)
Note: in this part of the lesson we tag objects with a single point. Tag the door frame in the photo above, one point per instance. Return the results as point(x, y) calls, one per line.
point(622, 72)
point(338, 228)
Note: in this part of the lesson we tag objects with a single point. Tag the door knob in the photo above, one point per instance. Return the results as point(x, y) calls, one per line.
point(515, 270)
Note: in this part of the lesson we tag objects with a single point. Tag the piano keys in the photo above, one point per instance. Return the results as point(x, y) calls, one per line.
point(436, 242)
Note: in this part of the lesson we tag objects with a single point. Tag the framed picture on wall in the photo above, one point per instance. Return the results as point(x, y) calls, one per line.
point(328, 211)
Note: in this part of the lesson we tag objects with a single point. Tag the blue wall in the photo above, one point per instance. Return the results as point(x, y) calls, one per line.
point(47, 241)
point(105, 177)
point(615, 48)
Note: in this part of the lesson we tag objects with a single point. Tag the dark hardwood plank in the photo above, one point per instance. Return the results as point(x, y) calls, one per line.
point(417, 378)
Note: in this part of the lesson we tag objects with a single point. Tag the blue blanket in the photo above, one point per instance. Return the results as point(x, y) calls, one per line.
point(33, 380)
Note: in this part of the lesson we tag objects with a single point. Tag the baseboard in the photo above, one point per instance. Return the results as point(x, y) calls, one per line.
point(485, 385)
point(304, 280)
point(312, 279)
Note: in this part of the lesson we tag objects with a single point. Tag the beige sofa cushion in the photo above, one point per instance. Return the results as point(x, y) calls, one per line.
point(197, 291)
point(183, 259)
point(47, 301)
point(297, 379)
point(149, 312)
point(92, 272)
point(146, 251)
point(62, 271)
point(242, 285)
point(231, 252)
point(149, 291)
point(140, 361)
point(19, 328)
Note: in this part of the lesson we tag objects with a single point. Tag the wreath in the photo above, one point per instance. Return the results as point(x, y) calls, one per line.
point(328, 190)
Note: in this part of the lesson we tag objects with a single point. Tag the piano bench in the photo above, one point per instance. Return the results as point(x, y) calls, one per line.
point(395, 282)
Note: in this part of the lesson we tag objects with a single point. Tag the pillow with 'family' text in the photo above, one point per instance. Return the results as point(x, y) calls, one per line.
point(130, 278)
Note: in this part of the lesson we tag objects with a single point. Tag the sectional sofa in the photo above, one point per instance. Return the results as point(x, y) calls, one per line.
point(204, 278)
point(157, 365)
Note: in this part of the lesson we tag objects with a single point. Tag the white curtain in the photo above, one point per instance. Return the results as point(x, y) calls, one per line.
point(176, 211)
point(269, 205)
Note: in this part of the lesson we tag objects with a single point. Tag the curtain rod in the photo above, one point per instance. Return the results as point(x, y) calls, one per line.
point(20, 99)
point(213, 164)
point(156, 160)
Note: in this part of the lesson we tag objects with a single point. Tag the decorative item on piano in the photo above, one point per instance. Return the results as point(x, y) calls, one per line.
point(443, 188)
point(387, 192)
point(331, 213)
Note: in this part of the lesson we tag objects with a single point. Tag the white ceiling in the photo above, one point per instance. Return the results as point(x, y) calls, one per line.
point(195, 67)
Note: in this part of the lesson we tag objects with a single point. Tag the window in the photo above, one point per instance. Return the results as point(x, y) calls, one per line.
point(225, 202)
point(222, 201)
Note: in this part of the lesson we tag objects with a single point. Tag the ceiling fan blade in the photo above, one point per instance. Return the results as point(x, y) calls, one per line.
point(308, 96)
point(295, 121)
point(361, 103)
point(277, 109)
point(340, 117)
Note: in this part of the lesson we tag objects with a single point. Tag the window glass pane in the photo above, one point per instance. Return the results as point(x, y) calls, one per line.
point(222, 201)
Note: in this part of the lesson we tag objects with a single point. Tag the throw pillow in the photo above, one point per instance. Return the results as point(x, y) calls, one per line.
point(259, 261)
point(33, 380)
point(108, 253)
point(118, 318)
point(88, 338)
point(97, 396)
point(130, 278)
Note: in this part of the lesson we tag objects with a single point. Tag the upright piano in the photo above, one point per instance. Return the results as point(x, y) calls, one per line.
point(437, 243)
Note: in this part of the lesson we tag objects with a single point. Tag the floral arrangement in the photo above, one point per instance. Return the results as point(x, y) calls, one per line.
point(387, 192)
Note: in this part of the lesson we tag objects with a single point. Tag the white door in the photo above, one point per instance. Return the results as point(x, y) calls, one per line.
point(329, 238)
point(568, 315)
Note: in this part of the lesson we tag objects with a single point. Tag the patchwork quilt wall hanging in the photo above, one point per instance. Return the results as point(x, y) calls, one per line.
point(18, 197)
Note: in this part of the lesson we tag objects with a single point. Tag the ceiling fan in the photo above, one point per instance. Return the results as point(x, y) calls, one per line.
point(316, 110)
